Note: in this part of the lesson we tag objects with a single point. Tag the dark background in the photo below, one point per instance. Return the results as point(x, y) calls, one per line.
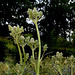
point(59, 19)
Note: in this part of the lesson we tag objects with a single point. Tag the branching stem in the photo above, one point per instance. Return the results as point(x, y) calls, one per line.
point(20, 53)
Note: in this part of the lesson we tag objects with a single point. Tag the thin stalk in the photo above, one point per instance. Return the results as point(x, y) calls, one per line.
point(33, 58)
point(39, 54)
point(20, 53)
point(33, 53)
point(24, 55)
point(71, 69)
point(60, 70)
point(42, 56)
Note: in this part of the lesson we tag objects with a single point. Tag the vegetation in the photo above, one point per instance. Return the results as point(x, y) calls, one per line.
point(58, 16)
point(55, 65)
point(7, 48)
point(56, 31)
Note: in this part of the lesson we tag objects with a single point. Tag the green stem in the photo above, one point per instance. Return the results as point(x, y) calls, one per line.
point(60, 70)
point(33, 53)
point(71, 69)
point(33, 58)
point(20, 53)
point(39, 54)
point(24, 55)
point(42, 56)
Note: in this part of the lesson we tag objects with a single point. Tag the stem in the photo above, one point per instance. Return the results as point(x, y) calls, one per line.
point(71, 69)
point(60, 70)
point(39, 54)
point(24, 55)
point(42, 55)
point(45, 54)
point(33, 58)
point(33, 53)
point(20, 53)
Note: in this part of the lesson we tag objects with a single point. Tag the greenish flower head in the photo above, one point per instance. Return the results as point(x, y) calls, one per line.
point(33, 43)
point(34, 15)
point(59, 55)
point(71, 59)
point(22, 41)
point(15, 30)
point(45, 47)
point(27, 56)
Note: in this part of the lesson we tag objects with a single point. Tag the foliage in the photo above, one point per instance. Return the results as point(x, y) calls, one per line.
point(73, 39)
point(58, 65)
point(54, 65)
point(63, 43)
point(6, 69)
point(58, 15)
point(7, 48)
point(26, 35)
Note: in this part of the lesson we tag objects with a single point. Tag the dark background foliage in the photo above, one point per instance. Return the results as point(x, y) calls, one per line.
point(59, 18)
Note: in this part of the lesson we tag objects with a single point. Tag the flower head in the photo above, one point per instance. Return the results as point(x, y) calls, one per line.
point(34, 15)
